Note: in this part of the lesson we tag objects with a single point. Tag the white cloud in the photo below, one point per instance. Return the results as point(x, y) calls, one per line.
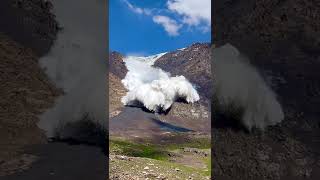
point(193, 11)
point(136, 9)
point(170, 25)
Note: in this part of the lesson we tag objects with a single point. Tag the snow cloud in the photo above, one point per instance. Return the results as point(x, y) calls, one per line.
point(239, 86)
point(153, 87)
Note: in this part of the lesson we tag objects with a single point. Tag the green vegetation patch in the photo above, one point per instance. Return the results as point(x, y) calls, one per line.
point(137, 150)
point(207, 161)
point(200, 143)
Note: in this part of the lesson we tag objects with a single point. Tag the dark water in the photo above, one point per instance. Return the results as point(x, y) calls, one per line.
point(169, 127)
point(137, 119)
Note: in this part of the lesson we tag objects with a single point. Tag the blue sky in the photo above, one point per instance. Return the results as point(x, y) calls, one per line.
point(145, 27)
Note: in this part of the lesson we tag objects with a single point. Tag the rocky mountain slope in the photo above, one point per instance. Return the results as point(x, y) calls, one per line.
point(117, 71)
point(117, 65)
point(27, 31)
point(193, 62)
point(281, 38)
point(25, 93)
point(116, 91)
point(31, 23)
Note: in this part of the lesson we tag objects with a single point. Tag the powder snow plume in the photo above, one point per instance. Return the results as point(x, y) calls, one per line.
point(77, 64)
point(238, 84)
point(153, 87)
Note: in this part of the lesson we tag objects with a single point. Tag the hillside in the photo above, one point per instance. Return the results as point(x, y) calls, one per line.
point(191, 62)
point(171, 145)
point(31, 23)
point(194, 63)
point(281, 40)
point(27, 31)
point(26, 93)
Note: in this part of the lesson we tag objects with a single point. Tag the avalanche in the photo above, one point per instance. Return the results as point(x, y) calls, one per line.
point(153, 87)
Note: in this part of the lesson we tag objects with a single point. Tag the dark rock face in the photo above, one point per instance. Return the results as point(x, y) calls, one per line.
point(281, 38)
point(192, 62)
point(263, 23)
point(117, 65)
point(30, 23)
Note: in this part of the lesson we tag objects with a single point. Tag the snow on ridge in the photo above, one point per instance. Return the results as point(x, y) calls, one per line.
point(150, 60)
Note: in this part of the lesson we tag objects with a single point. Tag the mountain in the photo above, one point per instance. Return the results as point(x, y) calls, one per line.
point(181, 134)
point(194, 63)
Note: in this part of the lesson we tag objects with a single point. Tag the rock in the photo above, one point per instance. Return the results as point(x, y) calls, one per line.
point(301, 162)
point(308, 173)
point(117, 65)
point(116, 92)
point(32, 23)
point(195, 151)
point(124, 158)
point(262, 156)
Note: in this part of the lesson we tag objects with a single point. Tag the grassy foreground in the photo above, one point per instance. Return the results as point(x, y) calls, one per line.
point(132, 160)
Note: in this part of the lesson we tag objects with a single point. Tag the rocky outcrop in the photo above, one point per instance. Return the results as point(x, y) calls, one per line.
point(117, 65)
point(116, 92)
point(29, 22)
point(117, 71)
point(263, 23)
